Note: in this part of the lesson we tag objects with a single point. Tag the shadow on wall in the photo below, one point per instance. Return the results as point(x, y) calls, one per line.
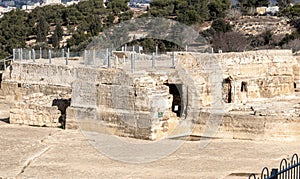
point(62, 105)
point(6, 120)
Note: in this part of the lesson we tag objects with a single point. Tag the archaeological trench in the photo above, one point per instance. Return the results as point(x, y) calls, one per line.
point(253, 93)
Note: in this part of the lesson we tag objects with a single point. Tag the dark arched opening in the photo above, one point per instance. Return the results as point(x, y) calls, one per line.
point(227, 90)
point(175, 89)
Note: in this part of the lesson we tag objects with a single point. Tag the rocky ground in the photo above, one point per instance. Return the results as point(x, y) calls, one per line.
point(37, 152)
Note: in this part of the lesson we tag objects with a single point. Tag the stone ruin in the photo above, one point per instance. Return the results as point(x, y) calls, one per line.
point(152, 104)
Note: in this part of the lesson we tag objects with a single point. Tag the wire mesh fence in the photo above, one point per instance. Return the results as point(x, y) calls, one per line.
point(128, 60)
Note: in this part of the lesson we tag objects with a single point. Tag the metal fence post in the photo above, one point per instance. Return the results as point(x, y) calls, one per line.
point(33, 55)
point(29, 55)
point(67, 58)
point(49, 56)
point(14, 54)
point(21, 54)
point(274, 173)
point(125, 48)
point(173, 60)
point(153, 60)
point(85, 57)
point(108, 60)
point(4, 64)
point(94, 56)
point(41, 53)
point(106, 57)
point(156, 50)
point(139, 53)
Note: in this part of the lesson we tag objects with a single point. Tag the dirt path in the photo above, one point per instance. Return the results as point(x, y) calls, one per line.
point(31, 152)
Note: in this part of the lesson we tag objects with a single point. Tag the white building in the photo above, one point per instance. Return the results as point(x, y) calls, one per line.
point(30, 7)
point(272, 10)
point(49, 2)
point(5, 10)
point(267, 10)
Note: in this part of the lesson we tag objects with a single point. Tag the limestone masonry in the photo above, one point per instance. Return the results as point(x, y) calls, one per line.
point(252, 93)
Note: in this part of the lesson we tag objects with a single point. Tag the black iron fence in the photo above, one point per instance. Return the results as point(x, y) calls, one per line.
point(287, 170)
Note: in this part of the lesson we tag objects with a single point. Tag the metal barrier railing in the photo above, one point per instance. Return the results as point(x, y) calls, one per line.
point(287, 170)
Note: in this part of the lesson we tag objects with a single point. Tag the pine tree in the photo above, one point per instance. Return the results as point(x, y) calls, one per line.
point(42, 30)
point(57, 35)
point(284, 3)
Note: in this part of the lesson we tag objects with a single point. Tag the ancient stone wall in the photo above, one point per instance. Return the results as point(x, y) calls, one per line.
point(141, 105)
point(251, 127)
point(35, 110)
point(127, 107)
point(246, 76)
point(125, 104)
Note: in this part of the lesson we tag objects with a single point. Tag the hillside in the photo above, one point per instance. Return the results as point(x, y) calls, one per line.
point(74, 26)
point(255, 25)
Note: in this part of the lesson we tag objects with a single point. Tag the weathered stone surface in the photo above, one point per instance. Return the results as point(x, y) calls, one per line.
point(37, 109)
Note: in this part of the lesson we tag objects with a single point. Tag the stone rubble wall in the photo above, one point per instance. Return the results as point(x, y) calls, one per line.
point(35, 110)
point(250, 25)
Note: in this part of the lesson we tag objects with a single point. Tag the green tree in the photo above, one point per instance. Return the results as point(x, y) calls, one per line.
point(188, 12)
point(220, 25)
point(284, 3)
point(118, 6)
point(292, 12)
point(95, 25)
point(42, 30)
point(248, 5)
point(253, 3)
point(57, 36)
point(218, 8)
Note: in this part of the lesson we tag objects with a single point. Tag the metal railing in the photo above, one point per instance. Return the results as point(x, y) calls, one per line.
point(286, 170)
